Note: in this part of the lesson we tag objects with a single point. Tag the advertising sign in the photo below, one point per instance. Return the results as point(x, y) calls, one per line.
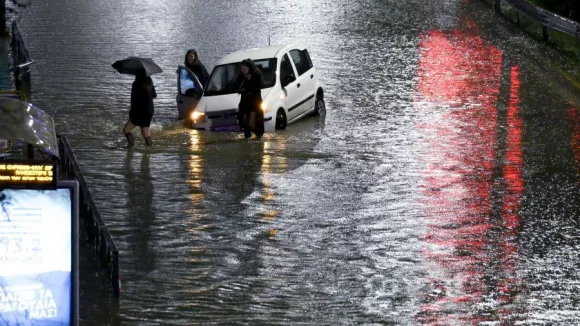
point(33, 174)
point(39, 256)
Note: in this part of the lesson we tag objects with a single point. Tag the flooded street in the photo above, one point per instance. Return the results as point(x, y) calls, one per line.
point(442, 187)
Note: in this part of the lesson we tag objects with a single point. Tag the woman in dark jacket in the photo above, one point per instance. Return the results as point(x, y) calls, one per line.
point(250, 114)
point(192, 63)
point(141, 113)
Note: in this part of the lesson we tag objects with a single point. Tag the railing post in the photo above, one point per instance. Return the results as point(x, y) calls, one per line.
point(3, 28)
point(497, 6)
point(545, 34)
point(116, 276)
point(30, 150)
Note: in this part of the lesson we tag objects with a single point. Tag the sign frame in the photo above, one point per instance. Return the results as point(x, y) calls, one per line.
point(73, 278)
point(73, 186)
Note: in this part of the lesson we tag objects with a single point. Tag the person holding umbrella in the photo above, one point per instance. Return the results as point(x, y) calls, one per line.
point(142, 95)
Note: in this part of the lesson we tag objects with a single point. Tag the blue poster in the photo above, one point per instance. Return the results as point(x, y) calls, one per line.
point(35, 257)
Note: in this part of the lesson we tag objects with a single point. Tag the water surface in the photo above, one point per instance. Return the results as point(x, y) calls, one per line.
point(441, 187)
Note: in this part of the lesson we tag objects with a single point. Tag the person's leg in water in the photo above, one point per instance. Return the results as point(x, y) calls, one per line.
point(247, 129)
point(127, 131)
point(146, 132)
point(242, 121)
point(259, 124)
point(252, 121)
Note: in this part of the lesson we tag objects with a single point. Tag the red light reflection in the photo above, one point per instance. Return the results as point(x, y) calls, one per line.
point(459, 87)
point(574, 115)
point(510, 285)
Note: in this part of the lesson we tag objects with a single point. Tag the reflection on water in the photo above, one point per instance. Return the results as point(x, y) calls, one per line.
point(509, 284)
point(271, 163)
point(574, 116)
point(195, 169)
point(140, 205)
point(473, 253)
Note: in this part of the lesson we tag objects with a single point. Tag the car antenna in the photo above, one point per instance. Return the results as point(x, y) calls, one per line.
point(269, 39)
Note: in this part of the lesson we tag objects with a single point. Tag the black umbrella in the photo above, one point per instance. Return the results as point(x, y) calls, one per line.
point(135, 66)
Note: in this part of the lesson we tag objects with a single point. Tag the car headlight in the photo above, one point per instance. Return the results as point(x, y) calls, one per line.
point(264, 106)
point(196, 115)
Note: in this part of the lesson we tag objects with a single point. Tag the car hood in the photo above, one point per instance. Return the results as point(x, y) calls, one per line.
point(223, 102)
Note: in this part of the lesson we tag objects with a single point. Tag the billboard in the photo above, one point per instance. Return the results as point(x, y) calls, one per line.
point(39, 255)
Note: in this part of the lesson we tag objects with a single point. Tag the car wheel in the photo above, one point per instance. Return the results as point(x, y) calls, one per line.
point(319, 107)
point(281, 121)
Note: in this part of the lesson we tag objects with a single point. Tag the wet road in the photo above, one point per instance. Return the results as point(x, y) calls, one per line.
point(441, 188)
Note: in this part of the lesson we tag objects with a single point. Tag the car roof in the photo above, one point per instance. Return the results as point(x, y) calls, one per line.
point(267, 52)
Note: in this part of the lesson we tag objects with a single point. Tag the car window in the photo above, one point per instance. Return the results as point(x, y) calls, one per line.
point(307, 55)
point(188, 84)
point(301, 61)
point(268, 69)
point(286, 71)
point(223, 77)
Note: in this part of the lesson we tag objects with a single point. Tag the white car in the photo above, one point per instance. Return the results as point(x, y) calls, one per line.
point(290, 89)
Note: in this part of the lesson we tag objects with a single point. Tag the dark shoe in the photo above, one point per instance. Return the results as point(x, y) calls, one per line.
point(148, 141)
point(130, 139)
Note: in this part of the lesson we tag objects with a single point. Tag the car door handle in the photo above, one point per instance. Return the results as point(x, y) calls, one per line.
point(311, 76)
point(298, 85)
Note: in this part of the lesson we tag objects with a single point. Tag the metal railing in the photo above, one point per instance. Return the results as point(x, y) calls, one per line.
point(21, 62)
point(544, 17)
point(98, 234)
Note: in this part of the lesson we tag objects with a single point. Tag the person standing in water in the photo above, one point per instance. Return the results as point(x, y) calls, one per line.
point(250, 114)
point(141, 113)
point(193, 63)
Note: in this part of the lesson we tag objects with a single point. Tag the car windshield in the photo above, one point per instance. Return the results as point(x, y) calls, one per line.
point(223, 77)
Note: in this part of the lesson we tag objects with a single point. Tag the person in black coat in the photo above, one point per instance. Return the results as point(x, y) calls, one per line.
point(141, 113)
point(250, 114)
point(192, 63)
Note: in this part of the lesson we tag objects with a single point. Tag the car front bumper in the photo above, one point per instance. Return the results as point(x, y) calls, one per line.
point(225, 121)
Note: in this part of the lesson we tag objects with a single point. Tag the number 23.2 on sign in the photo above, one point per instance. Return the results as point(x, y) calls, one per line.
point(18, 245)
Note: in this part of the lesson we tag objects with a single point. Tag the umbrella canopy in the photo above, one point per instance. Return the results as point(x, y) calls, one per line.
point(135, 66)
point(24, 121)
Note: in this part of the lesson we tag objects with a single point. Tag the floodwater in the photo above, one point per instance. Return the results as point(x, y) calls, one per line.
point(442, 187)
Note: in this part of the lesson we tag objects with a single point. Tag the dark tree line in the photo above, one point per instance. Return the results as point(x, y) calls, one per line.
point(566, 8)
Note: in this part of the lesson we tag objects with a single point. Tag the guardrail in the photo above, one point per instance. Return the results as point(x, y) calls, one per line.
point(98, 234)
point(544, 17)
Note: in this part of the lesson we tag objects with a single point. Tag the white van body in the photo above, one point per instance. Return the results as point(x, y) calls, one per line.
point(290, 90)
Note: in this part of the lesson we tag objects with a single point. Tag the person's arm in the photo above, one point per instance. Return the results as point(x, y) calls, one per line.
point(239, 84)
point(256, 84)
point(153, 92)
